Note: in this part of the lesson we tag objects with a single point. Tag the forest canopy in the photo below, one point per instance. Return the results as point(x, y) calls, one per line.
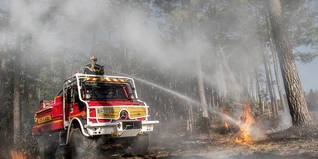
point(211, 52)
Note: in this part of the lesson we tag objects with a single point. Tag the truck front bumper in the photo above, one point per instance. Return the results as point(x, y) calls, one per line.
point(125, 128)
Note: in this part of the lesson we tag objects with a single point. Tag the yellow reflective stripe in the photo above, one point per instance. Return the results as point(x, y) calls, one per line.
point(113, 112)
point(105, 80)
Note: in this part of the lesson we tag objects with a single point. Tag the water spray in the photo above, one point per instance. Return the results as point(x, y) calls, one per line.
point(230, 119)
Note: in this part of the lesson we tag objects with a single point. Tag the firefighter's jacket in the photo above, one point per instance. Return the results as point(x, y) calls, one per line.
point(95, 69)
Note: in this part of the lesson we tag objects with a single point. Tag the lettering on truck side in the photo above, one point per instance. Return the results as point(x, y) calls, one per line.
point(105, 113)
point(44, 119)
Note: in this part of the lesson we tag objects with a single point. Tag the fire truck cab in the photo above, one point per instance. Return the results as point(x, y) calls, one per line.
point(93, 108)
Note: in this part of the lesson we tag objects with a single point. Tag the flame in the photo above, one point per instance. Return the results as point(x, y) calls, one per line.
point(227, 125)
point(247, 120)
point(225, 113)
point(17, 155)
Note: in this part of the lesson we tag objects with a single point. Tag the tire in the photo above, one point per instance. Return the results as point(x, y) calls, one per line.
point(139, 145)
point(81, 147)
point(48, 144)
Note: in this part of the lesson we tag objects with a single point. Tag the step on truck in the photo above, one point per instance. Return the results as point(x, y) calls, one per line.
point(93, 115)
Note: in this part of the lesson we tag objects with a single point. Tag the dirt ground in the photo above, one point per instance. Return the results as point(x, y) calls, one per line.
point(219, 143)
point(292, 143)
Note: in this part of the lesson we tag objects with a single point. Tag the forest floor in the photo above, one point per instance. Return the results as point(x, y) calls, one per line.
point(292, 143)
point(220, 143)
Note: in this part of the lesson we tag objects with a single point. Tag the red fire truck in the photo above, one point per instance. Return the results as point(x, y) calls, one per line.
point(93, 114)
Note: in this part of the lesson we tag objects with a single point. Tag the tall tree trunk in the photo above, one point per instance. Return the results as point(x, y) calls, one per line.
point(230, 81)
point(16, 89)
point(28, 69)
point(258, 90)
point(2, 76)
point(267, 74)
point(26, 80)
point(244, 81)
point(4, 53)
point(221, 86)
point(198, 61)
point(212, 96)
point(190, 121)
point(294, 91)
point(257, 85)
point(274, 54)
point(251, 83)
point(201, 87)
point(269, 84)
point(189, 106)
point(273, 88)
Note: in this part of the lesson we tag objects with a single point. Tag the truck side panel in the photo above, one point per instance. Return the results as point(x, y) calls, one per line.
point(49, 117)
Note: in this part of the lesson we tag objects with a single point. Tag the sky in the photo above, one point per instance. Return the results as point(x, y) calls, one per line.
point(308, 74)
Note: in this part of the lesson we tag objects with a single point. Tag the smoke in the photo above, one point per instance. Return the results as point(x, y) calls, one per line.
point(66, 28)
point(285, 121)
point(55, 25)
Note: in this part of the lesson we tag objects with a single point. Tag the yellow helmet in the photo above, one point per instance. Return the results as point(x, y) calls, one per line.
point(94, 58)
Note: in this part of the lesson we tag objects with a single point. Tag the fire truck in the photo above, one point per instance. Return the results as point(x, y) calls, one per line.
point(93, 114)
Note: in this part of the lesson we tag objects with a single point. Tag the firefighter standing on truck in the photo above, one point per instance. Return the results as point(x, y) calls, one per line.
point(94, 68)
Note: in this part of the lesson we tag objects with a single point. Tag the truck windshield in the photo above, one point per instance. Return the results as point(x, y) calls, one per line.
point(105, 91)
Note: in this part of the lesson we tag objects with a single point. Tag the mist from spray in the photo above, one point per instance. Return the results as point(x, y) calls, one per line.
point(285, 121)
point(196, 103)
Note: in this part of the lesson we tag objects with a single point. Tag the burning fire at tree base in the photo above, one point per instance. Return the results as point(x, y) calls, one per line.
point(246, 130)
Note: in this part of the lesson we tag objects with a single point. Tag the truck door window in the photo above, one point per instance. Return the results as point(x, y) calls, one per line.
point(69, 96)
point(76, 95)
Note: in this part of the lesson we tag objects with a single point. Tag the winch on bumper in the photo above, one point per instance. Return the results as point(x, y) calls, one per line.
point(123, 128)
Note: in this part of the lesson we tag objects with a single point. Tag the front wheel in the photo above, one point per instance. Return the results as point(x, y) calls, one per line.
point(81, 146)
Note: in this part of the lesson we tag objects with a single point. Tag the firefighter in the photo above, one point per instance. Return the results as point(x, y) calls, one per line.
point(110, 93)
point(94, 68)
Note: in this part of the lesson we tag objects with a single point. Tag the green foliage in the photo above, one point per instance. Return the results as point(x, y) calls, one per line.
point(302, 22)
point(312, 99)
point(305, 57)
